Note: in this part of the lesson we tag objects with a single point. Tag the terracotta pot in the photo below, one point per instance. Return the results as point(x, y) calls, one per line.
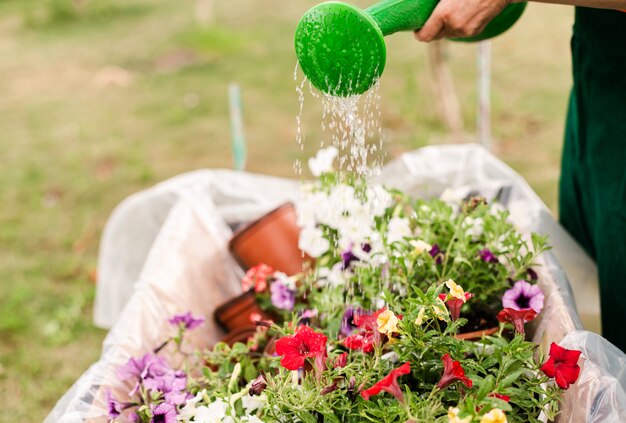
point(239, 335)
point(235, 314)
point(477, 335)
point(272, 239)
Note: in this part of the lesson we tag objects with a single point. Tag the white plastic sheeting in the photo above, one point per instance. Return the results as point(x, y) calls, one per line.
point(164, 251)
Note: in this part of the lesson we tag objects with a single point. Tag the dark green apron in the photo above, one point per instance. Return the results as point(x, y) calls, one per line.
point(593, 180)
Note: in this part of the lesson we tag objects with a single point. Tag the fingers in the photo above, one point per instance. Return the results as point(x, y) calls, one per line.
point(433, 29)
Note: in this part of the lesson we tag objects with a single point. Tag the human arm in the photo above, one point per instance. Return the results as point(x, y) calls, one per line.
point(466, 18)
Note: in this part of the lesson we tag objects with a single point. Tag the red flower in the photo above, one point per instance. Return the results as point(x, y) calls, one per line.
point(256, 277)
point(454, 304)
point(306, 343)
point(367, 321)
point(389, 383)
point(341, 360)
point(517, 317)
point(562, 365)
point(452, 372)
point(504, 398)
point(363, 341)
point(369, 334)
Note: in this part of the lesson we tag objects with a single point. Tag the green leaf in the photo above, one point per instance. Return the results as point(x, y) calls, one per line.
point(486, 387)
point(510, 378)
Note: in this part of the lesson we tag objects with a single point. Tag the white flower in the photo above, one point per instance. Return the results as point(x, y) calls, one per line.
point(252, 419)
point(379, 199)
point(214, 413)
point(253, 402)
point(188, 411)
point(342, 198)
point(323, 161)
point(474, 227)
point(420, 246)
point(355, 229)
point(309, 205)
point(312, 242)
point(335, 276)
point(397, 229)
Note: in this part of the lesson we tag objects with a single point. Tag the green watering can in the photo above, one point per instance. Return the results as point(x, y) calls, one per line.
point(341, 48)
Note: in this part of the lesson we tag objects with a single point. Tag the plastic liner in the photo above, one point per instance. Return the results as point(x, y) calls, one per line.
point(164, 251)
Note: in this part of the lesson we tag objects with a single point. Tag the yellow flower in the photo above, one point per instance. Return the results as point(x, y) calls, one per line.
point(440, 309)
point(387, 322)
point(455, 290)
point(453, 416)
point(420, 246)
point(494, 416)
point(420, 316)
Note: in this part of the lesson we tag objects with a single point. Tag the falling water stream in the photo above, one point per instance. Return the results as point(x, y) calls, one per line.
point(352, 125)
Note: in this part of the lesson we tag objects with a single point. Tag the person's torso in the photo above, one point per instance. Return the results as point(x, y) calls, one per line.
point(601, 31)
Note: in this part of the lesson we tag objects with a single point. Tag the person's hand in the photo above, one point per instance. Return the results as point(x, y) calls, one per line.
point(459, 18)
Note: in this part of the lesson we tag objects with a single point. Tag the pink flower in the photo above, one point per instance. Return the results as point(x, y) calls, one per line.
point(389, 383)
point(306, 343)
point(256, 277)
point(562, 365)
point(523, 295)
point(452, 372)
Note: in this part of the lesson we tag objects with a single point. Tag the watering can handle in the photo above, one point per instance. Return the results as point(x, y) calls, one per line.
point(401, 15)
point(408, 15)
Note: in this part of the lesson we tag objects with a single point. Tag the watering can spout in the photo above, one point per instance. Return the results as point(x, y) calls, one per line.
point(341, 48)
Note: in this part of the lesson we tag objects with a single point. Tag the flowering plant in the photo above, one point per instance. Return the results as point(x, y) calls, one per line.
point(371, 331)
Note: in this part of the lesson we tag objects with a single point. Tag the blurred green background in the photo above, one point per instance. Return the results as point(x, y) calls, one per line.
point(102, 98)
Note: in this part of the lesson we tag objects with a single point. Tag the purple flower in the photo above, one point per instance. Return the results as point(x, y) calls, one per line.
point(140, 368)
point(186, 321)
point(307, 315)
point(282, 297)
point(347, 326)
point(258, 385)
point(148, 366)
point(347, 257)
point(163, 413)
point(113, 406)
point(436, 253)
point(171, 384)
point(487, 256)
point(523, 295)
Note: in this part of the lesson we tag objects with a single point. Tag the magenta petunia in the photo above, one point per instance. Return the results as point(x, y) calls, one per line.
point(487, 256)
point(436, 253)
point(523, 295)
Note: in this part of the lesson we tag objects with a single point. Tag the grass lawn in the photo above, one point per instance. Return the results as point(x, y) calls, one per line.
point(100, 103)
